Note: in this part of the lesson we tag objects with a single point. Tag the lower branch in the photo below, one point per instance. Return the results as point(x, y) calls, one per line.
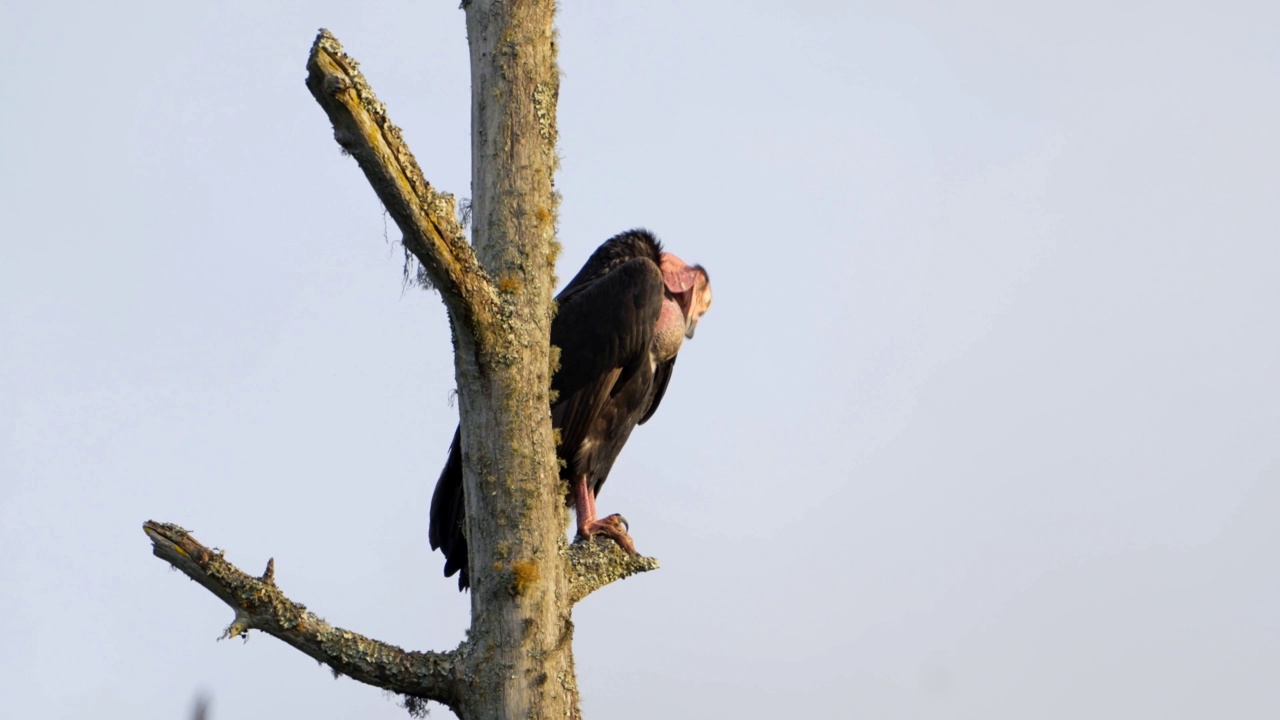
point(260, 605)
point(593, 564)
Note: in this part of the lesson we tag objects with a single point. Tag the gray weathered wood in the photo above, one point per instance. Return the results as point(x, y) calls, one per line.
point(520, 605)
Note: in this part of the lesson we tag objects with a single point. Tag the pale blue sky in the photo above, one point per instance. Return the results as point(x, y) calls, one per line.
point(985, 422)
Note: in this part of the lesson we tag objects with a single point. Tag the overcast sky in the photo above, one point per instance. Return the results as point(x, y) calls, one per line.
point(985, 422)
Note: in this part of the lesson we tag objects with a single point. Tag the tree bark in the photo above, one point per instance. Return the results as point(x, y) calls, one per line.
point(520, 605)
point(517, 661)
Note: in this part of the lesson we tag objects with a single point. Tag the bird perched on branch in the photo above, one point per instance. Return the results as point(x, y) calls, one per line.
point(620, 323)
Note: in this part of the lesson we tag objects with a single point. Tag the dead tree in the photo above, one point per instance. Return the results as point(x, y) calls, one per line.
point(517, 660)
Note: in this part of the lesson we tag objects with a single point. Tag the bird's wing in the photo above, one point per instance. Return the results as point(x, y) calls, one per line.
point(604, 329)
point(606, 323)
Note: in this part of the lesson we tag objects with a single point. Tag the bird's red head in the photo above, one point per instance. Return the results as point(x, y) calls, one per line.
point(690, 286)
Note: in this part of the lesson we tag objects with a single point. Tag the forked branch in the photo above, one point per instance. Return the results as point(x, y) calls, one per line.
point(427, 219)
point(260, 605)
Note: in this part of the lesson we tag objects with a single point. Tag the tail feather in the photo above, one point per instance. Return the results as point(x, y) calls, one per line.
point(448, 515)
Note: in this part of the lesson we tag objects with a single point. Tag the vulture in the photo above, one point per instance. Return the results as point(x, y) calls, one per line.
point(620, 323)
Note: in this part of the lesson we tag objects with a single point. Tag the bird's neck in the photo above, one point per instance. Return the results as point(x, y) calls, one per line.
point(668, 334)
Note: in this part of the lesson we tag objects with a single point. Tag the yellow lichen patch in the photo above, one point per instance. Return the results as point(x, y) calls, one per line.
point(526, 574)
point(509, 283)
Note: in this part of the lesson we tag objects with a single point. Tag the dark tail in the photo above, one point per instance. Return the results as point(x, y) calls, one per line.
point(449, 515)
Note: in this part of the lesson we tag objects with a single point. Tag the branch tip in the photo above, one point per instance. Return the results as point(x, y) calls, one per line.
point(596, 563)
point(238, 628)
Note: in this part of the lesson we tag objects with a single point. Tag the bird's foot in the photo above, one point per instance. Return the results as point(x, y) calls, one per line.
point(614, 527)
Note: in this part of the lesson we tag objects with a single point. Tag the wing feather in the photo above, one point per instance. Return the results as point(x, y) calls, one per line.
point(606, 323)
point(605, 333)
point(661, 376)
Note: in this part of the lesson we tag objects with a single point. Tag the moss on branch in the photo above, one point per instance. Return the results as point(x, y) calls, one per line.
point(260, 605)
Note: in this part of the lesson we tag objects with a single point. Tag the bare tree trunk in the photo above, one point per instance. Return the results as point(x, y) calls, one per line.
point(515, 502)
point(517, 661)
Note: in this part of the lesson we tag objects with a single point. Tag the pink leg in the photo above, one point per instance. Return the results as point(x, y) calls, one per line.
point(614, 526)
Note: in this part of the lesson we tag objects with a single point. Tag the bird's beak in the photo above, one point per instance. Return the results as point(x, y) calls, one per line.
point(689, 332)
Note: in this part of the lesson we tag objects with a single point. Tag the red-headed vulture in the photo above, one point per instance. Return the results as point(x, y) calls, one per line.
point(620, 323)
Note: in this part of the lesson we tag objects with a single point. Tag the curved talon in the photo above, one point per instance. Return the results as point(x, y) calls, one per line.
point(613, 527)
